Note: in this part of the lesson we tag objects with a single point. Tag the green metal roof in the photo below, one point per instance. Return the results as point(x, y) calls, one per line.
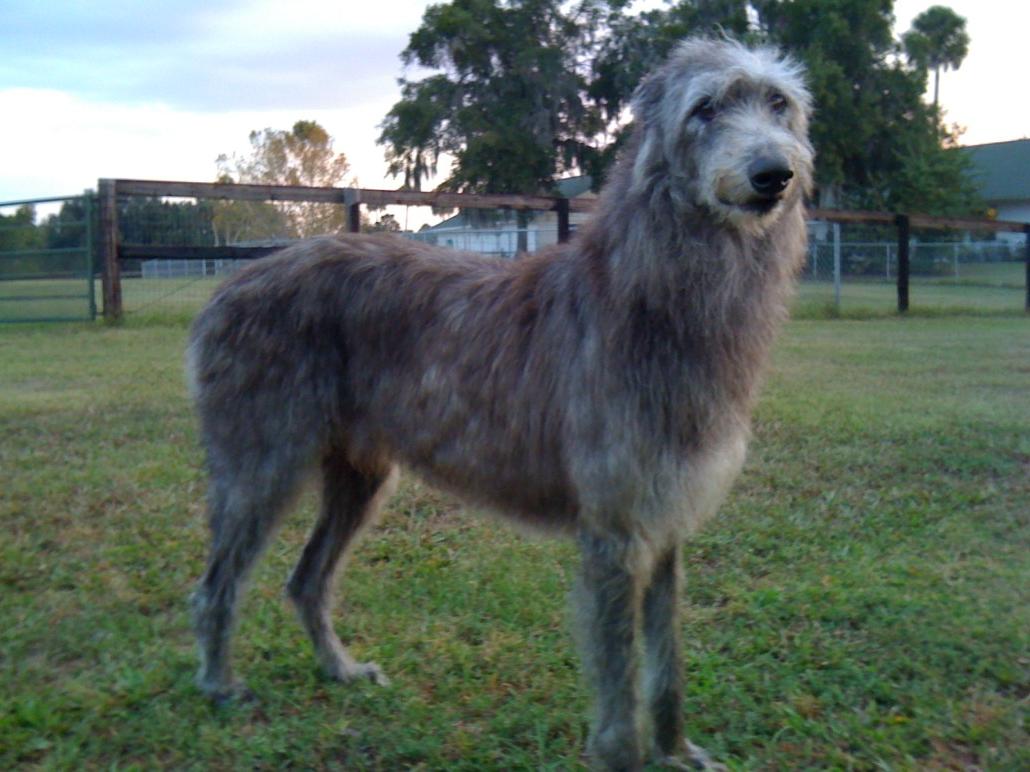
point(1002, 169)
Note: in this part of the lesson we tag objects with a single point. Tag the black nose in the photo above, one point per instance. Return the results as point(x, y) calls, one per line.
point(769, 176)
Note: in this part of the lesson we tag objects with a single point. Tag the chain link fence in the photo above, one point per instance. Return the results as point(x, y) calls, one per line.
point(855, 276)
point(853, 270)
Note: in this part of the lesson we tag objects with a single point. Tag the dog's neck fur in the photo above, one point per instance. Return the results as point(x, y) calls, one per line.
point(684, 287)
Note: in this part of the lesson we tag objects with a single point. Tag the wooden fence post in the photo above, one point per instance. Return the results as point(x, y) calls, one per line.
point(107, 196)
point(564, 230)
point(354, 218)
point(903, 223)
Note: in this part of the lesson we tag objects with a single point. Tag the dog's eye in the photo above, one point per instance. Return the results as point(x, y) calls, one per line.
point(778, 103)
point(704, 110)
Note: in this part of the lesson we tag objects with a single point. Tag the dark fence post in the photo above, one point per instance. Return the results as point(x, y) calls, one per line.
point(562, 207)
point(107, 195)
point(354, 218)
point(1026, 258)
point(902, 222)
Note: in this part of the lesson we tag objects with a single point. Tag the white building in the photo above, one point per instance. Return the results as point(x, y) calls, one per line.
point(498, 232)
point(1002, 170)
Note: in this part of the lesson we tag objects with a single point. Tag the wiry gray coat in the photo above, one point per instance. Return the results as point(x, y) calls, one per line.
point(601, 388)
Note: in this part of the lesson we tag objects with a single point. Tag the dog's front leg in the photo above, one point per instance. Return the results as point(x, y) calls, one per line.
point(663, 668)
point(609, 610)
point(663, 673)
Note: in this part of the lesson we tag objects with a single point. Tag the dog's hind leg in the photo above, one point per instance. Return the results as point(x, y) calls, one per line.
point(351, 498)
point(609, 608)
point(243, 510)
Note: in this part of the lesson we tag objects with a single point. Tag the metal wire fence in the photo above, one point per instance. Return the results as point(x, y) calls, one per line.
point(173, 250)
point(946, 277)
point(176, 288)
point(854, 278)
point(853, 270)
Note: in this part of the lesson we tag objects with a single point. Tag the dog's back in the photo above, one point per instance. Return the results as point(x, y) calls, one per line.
point(388, 348)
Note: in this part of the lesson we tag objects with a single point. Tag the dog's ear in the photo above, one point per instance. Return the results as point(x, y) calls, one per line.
point(647, 98)
point(647, 101)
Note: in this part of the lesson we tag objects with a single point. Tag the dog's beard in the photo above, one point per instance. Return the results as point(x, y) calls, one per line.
point(742, 209)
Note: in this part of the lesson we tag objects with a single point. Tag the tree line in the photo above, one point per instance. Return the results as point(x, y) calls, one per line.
point(523, 92)
point(36, 248)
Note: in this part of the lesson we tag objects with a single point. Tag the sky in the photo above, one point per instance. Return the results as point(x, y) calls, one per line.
point(157, 89)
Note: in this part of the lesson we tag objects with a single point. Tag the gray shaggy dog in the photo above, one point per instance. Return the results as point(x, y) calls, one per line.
point(601, 388)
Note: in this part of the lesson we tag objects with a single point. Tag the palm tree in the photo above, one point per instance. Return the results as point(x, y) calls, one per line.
point(938, 39)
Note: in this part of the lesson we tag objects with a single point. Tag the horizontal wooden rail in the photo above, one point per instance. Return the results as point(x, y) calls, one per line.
point(965, 224)
point(859, 217)
point(853, 216)
point(368, 196)
point(444, 200)
point(144, 252)
point(230, 191)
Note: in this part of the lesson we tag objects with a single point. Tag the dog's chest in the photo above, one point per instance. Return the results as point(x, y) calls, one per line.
point(698, 486)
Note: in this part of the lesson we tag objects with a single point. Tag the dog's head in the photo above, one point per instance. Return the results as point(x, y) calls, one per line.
point(726, 128)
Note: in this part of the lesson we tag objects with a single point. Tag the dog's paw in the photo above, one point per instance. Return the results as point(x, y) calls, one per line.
point(350, 672)
point(615, 748)
point(372, 672)
point(228, 696)
point(694, 758)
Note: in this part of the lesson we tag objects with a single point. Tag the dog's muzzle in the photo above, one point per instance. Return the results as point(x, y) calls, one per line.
point(769, 178)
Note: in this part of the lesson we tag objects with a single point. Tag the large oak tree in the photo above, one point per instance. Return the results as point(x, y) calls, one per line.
point(525, 91)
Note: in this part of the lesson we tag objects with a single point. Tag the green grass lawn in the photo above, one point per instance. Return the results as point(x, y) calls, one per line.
point(179, 299)
point(997, 288)
point(861, 603)
point(927, 296)
point(1011, 273)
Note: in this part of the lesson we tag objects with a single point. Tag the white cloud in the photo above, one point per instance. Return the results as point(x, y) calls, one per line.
point(62, 144)
point(158, 90)
point(304, 19)
point(208, 56)
point(75, 141)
